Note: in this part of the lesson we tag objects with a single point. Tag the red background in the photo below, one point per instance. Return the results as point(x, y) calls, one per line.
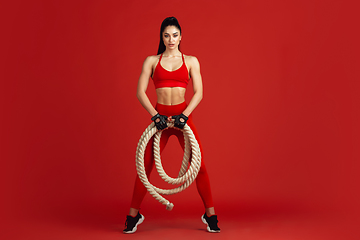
point(278, 122)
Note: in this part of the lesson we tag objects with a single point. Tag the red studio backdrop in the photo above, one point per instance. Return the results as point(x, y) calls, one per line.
point(279, 121)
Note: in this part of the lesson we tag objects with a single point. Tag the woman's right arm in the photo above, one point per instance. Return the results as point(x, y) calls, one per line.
point(143, 84)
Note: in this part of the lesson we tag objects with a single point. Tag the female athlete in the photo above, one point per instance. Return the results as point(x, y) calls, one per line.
point(171, 71)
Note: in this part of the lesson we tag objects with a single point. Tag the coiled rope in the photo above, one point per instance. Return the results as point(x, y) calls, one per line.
point(187, 174)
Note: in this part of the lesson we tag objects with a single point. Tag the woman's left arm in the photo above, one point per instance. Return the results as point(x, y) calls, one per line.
point(195, 75)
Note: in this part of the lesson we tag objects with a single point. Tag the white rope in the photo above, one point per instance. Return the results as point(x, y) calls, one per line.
point(187, 174)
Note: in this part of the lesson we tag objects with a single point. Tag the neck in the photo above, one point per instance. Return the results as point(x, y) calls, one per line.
point(172, 53)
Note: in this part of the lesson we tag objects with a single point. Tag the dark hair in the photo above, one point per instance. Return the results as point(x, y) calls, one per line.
point(169, 21)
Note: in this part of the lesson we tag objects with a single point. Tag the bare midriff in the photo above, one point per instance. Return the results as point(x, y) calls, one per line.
point(170, 95)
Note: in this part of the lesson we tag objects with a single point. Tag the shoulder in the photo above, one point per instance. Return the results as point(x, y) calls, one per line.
point(152, 58)
point(151, 61)
point(191, 61)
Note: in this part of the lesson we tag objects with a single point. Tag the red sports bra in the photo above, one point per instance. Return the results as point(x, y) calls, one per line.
point(177, 78)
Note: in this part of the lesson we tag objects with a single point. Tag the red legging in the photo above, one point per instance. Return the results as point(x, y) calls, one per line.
point(202, 179)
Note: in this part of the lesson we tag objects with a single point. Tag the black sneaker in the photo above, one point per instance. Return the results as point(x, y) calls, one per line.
point(132, 222)
point(211, 223)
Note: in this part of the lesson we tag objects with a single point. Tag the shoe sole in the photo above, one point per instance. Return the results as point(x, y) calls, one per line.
point(135, 228)
point(208, 228)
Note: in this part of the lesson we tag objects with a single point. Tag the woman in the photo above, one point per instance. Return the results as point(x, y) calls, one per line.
point(171, 71)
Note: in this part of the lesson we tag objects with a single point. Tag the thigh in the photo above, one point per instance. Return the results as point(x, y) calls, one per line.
point(180, 136)
point(165, 138)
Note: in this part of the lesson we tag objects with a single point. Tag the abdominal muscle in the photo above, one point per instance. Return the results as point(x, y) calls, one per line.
point(170, 95)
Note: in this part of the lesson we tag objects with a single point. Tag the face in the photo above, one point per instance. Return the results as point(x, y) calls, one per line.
point(171, 37)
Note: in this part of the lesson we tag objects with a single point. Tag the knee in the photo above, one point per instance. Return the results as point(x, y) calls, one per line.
point(202, 170)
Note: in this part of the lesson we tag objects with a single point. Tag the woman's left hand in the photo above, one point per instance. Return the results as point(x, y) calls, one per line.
point(180, 120)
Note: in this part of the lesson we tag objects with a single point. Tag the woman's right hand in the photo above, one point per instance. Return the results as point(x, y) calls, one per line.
point(160, 121)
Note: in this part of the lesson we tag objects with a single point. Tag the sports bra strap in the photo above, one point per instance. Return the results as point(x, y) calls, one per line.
point(160, 57)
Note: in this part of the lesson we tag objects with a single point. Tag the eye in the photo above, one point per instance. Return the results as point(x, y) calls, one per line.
point(175, 35)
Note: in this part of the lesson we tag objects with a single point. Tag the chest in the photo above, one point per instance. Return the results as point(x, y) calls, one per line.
point(171, 64)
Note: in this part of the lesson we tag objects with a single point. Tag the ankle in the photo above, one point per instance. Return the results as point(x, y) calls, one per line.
point(133, 212)
point(210, 211)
